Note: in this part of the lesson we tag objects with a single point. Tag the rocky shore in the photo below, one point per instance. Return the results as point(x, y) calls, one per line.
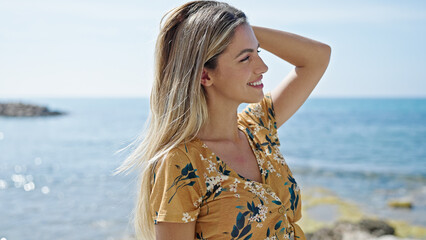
point(366, 229)
point(327, 217)
point(25, 110)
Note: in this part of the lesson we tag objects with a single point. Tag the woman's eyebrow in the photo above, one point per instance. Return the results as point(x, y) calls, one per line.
point(247, 50)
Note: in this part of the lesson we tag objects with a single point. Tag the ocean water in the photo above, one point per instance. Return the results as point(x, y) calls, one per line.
point(56, 177)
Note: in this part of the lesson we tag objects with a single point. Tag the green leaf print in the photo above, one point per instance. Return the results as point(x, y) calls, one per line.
point(200, 236)
point(249, 133)
point(245, 231)
point(240, 221)
point(239, 230)
point(278, 225)
point(187, 173)
point(248, 237)
point(261, 122)
point(234, 232)
point(294, 199)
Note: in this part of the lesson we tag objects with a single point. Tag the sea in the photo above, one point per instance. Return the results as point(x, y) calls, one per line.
point(57, 181)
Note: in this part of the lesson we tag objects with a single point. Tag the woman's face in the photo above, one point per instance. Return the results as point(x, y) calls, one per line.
point(238, 73)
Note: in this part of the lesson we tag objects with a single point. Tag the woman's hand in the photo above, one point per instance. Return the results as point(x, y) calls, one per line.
point(310, 59)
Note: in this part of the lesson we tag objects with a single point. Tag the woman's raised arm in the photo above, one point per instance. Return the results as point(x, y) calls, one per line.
point(310, 59)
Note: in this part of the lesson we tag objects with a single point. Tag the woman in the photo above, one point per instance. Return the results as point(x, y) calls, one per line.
point(208, 172)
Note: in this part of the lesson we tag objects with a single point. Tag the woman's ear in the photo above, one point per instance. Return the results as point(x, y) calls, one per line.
point(205, 78)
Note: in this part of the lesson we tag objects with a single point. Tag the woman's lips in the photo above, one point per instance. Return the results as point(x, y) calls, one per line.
point(257, 84)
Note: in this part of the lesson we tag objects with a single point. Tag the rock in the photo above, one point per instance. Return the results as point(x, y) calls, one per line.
point(376, 227)
point(388, 237)
point(25, 110)
point(324, 234)
point(391, 237)
point(350, 231)
point(343, 230)
point(400, 204)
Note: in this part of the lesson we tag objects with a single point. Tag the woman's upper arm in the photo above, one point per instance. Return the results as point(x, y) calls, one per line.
point(310, 59)
point(175, 231)
point(296, 87)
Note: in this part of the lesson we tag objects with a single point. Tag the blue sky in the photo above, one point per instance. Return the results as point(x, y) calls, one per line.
point(105, 48)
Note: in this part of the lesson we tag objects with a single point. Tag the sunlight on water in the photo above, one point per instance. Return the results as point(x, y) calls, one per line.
point(3, 184)
point(45, 190)
point(29, 186)
point(23, 181)
point(19, 180)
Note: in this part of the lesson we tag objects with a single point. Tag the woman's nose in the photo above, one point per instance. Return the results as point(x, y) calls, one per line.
point(261, 67)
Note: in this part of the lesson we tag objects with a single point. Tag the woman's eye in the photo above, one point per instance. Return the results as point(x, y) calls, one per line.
point(248, 57)
point(245, 59)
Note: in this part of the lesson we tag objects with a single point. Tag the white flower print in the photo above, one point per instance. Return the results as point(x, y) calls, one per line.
point(256, 189)
point(279, 158)
point(215, 180)
point(212, 165)
point(261, 216)
point(260, 162)
point(270, 167)
point(256, 129)
point(198, 202)
point(257, 111)
point(202, 157)
point(271, 238)
point(186, 217)
point(233, 187)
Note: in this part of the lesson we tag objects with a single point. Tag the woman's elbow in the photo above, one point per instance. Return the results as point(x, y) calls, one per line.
point(323, 54)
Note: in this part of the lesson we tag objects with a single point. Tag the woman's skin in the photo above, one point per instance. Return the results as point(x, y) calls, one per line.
point(229, 85)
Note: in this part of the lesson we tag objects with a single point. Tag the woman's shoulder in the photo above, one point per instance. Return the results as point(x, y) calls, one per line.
point(179, 161)
point(188, 151)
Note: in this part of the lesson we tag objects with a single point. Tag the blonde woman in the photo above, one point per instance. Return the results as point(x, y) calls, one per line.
point(207, 171)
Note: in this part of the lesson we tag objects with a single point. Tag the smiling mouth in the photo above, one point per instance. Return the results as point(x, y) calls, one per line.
point(257, 83)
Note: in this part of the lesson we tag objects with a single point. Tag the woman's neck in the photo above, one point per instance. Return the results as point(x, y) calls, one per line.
point(222, 123)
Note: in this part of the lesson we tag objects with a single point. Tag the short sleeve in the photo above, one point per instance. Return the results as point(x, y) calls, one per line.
point(261, 114)
point(175, 189)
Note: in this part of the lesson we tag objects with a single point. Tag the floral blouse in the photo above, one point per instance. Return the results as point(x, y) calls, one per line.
point(193, 184)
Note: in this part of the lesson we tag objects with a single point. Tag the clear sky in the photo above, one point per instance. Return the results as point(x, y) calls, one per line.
point(104, 48)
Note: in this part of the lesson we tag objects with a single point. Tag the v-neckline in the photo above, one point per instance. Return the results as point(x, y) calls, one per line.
point(243, 129)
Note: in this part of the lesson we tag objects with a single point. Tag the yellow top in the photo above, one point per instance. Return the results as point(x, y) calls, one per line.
point(193, 184)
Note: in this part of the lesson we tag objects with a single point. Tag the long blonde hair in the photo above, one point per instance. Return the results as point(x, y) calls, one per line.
point(191, 37)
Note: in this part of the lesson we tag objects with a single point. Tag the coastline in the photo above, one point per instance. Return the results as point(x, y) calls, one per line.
point(324, 209)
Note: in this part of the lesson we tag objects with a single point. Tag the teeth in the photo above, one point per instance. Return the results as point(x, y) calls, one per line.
point(255, 83)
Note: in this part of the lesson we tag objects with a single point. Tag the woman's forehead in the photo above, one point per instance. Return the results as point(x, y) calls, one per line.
point(243, 38)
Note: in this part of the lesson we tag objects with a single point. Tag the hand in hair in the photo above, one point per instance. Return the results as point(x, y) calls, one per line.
point(310, 59)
